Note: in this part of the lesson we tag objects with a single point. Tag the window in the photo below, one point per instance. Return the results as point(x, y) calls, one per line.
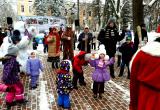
point(90, 13)
point(30, 9)
point(22, 8)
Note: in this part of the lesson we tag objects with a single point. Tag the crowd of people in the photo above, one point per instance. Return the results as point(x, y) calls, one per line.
point(21, 58)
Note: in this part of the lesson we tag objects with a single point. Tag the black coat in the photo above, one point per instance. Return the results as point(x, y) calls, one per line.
point(127, 51)
point(109, 37)
point(136, 39)
point(81, 45)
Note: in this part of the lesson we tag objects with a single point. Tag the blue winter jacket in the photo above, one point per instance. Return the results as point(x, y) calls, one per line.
point(34, 66)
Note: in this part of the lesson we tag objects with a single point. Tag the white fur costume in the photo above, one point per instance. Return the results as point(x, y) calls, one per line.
point(23, 46)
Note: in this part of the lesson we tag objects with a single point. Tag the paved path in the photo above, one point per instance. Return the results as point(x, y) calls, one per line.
point(116, 96)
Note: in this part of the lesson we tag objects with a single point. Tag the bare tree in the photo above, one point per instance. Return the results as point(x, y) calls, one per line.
point(137, 13)
point(6, 11)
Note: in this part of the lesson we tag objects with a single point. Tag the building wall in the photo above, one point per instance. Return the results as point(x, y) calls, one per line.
point(28, 7)
point(85, 15)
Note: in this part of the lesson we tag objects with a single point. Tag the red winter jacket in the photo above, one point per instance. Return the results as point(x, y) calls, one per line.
point(78, 63)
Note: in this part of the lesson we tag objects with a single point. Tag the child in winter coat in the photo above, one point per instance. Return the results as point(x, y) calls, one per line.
point(100, 75)
point(34, 66)
point(11, 78)
point(78, 62)
point(127, 52)
point(64, 84)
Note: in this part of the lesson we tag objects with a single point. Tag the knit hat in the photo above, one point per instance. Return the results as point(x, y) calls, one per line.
point(65, 65)
point(16, 36)
point(128, 38)
point(102, 50)
point(12, 50)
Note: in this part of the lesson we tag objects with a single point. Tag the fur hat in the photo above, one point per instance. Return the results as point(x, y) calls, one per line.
point(12, 50)
point(16, 36)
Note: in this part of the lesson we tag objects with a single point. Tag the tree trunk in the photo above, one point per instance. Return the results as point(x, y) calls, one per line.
point(138, 18)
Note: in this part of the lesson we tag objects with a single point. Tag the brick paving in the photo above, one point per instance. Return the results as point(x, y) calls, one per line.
point(114, 98)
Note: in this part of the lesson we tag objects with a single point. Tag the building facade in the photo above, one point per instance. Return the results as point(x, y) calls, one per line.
point(25, 7)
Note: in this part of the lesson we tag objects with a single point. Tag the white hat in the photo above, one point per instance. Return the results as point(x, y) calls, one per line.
point(86, 27)
point(102, 50)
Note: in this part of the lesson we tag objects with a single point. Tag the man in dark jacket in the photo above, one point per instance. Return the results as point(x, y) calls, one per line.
point(85, 39)
point(144, 37)
point(109, 37)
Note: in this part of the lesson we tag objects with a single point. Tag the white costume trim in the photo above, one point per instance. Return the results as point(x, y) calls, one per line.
point(151, 48)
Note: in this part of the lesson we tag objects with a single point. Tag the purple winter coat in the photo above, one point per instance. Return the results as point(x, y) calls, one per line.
point(101, 74)
point(10, 70)
point(34, 66)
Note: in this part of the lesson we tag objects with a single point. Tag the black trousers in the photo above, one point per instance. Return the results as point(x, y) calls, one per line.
point(77, 76)
point(98, 87)
point(119, 60)
point(94, 46)
point(123, 66)
point(55, 62)
point(45, 50)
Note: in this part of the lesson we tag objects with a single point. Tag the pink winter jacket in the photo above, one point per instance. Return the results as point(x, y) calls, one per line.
point(3, 87)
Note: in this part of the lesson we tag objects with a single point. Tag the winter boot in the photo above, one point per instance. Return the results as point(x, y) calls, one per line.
point(22, 102)
point(10, 104)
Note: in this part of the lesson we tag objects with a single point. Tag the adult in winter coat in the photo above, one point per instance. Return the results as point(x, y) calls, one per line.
point(54, 47)
point(68, 43)
point(78, 62)
point(45, 43)
point(158, 28)
point(85, 40)
point(109, 37)
point(144, 37)
point(145, 74)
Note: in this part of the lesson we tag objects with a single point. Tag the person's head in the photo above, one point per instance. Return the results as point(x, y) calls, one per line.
point(16, 37)
point(111, 23)
point(81, 54)
point(33, 55)
point(65, 65)
point(102, 52)
point(69, 28)
point(54, 30)
point(128, 39)
point(12, 50)
point(101, 56)
point(86, 29)
point(50, 29)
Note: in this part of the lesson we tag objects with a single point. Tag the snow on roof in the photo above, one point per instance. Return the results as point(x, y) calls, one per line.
point(152, 2)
